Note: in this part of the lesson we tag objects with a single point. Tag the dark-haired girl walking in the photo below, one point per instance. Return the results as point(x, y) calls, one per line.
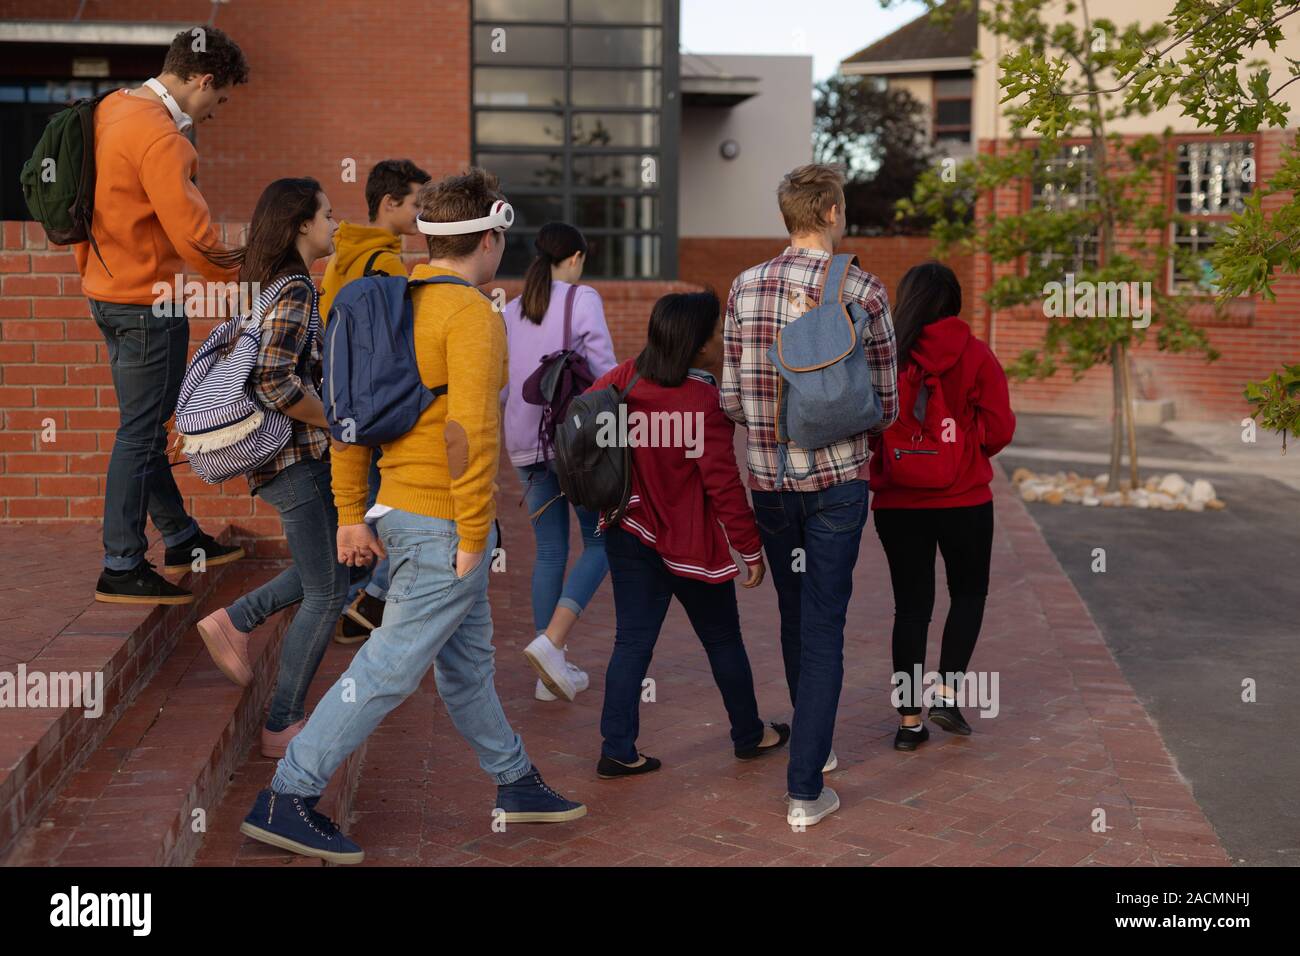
point(536, 323)
point(915, 512)
point(687, 511)
point(292, 227)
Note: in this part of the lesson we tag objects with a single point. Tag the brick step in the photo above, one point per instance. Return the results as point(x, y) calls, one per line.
point(50, 622)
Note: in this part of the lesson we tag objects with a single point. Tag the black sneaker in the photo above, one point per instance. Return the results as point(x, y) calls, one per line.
point(361, 617)
point(141, 585)
point(609, 768)
point(910, 739)
point(181, 557)
point(950, 719)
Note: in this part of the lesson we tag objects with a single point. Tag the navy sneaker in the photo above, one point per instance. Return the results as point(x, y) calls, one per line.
point(530, 800)
point(291, 823)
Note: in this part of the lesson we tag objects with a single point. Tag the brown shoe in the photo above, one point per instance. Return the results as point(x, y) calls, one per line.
point(228, 646)
point(359, 618)
point(276, 742)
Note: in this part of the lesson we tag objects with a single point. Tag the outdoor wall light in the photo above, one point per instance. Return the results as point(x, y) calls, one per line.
point(729, 149)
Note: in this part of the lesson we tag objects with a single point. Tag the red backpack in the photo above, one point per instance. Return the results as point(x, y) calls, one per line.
point(925, 447)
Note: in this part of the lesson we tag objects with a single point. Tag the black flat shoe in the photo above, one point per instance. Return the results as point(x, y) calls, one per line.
point(609, 768)
point(950, 719)
point(749, 753)
point(910, 739)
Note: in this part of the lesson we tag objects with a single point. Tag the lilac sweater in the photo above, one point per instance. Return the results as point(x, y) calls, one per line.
point(588, 336)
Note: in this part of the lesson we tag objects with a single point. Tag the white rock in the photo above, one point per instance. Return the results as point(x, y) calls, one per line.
point(1202, 491)
point(1173, 484)
point(1101, 481)
point(1158, 499)
point(1091, 502)
point(1195, 505)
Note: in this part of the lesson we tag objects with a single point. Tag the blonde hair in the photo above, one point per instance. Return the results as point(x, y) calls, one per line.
point(806, 195)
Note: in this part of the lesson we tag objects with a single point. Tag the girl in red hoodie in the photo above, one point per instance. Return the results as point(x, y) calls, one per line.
point(687, 511)
point(934, 343)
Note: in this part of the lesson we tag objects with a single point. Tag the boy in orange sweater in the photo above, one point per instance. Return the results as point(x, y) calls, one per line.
point(391, 189)
point(436, 511)
point(150, 221)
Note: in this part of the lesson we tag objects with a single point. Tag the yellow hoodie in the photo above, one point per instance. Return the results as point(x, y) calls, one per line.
point(353, 247)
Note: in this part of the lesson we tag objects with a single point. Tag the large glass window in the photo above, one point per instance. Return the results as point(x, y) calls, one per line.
point(1211, 183)
point(575, 109)
point(1066, 183)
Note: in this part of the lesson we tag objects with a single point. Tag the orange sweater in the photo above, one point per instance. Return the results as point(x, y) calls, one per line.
point(148, 212)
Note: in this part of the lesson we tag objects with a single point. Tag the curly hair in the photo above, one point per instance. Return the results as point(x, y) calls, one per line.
point(206, 49)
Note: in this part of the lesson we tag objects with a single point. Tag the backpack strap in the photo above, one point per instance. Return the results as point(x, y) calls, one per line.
point(836, 274)
point(568, 313)
point(437, 390)
point(370, 269)
point(85, 208)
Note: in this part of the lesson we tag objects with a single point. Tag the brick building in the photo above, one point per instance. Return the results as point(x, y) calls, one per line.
point(1205, 181)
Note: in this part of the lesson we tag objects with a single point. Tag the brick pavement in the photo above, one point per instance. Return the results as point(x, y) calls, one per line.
point(1071, 738)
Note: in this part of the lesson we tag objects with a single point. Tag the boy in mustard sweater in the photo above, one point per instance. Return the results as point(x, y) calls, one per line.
point(151, 222)
point(391, 190)
point(435, 511)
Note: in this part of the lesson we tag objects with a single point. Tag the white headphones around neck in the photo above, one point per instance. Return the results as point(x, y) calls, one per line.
point(501, 218)
point(179, 116)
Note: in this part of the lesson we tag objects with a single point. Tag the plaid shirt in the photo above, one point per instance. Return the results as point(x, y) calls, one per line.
point(762, 301)
point(288, 368)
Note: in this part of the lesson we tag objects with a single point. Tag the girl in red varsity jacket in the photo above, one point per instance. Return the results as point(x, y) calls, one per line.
point(687, 513)
point(935, 344)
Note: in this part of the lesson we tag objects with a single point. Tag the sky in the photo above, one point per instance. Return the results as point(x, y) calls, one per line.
point(830, 30)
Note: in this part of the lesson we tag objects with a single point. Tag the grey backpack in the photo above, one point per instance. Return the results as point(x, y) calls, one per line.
point(825, 394)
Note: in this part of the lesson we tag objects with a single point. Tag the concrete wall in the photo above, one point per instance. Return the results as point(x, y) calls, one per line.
point(720, 197)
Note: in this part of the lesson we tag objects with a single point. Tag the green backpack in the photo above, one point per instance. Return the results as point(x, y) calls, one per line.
point(59, 180)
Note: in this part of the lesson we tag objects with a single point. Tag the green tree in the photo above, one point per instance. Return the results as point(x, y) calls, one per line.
point(1057, 83)
point(879, 137)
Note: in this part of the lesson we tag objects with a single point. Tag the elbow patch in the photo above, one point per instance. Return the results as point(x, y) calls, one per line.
point(457, 449)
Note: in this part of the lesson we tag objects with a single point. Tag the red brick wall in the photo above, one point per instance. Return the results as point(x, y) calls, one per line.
point(329, 80)
point(1254, 337)
point(716, 262)
point(54, 366)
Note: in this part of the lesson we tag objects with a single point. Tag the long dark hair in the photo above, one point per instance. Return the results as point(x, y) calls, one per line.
point(927, 293)
point(272, 250)
point(555, 242)
point(680, 325)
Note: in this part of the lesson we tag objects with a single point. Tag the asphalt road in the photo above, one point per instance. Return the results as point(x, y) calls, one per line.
point(1192, 605)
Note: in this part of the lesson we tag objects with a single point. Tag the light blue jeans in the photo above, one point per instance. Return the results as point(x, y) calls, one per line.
point(551, 531)
point(432, 617)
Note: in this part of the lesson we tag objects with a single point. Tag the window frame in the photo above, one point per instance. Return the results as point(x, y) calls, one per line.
point(1184, 288)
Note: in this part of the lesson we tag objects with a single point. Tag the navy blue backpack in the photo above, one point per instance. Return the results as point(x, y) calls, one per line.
point(372, 388)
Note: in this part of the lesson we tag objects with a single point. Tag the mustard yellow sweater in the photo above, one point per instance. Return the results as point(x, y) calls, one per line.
point(445, 467)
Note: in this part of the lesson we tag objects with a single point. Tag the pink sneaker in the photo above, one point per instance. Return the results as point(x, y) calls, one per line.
point(276, 742)
point(228, 646)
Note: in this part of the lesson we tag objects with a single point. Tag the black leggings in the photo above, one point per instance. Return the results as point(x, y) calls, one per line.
point(965, 539)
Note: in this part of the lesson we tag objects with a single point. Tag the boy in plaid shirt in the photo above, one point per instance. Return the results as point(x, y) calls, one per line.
point(811, 526)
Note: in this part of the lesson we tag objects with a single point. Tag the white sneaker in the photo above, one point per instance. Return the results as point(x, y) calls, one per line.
point(580, 680)
point(831, 763)
point(548, 660)
point(807, 813)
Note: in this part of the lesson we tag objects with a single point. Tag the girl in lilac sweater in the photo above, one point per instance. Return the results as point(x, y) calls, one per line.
point(535, 327)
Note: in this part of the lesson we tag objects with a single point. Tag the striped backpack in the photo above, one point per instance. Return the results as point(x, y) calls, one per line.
point(224, 430)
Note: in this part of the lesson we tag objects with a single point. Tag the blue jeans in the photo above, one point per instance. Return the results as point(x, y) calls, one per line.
point(147, 353)
point(373, 580)
point(827, 528)
point(302, 495)
point(643, 587)
point(551, 531)
point(432, 617)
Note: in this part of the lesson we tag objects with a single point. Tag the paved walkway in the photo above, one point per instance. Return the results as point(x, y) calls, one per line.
point(1071, 739)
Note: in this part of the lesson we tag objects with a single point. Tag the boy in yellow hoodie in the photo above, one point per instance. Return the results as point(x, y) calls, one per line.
point(437, 502)
point(391, 190)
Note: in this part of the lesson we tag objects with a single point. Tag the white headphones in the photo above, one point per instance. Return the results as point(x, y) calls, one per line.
point(501, 218)
point(179, 116)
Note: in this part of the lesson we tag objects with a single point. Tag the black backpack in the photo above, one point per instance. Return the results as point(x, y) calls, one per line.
point(594, 476)
point(59, 180)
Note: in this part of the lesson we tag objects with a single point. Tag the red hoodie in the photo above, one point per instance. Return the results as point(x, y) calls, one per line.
point(975, 389)
point(691, 510)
